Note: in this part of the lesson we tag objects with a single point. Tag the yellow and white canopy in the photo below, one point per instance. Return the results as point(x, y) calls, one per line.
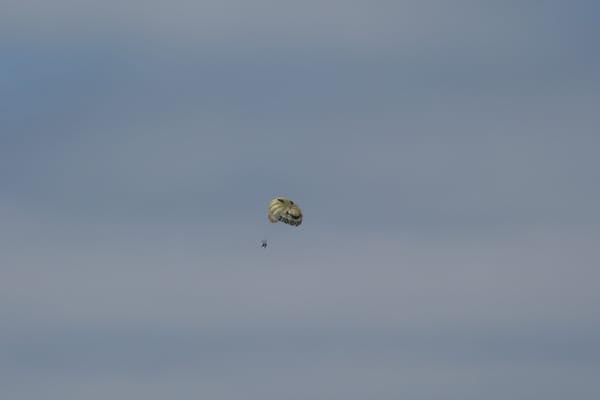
point(284, 210)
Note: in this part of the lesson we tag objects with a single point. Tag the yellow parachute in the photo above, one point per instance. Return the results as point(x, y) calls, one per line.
point(284, 210)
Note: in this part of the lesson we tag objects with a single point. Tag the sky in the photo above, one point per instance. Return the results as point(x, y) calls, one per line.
point(445, 156)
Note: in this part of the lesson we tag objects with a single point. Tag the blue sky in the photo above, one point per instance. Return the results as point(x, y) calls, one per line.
point(445, 157)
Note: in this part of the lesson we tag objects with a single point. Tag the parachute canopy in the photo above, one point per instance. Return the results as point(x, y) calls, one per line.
point(284, 210)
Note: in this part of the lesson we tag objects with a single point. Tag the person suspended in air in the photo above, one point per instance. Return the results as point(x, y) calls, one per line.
point(283, 210)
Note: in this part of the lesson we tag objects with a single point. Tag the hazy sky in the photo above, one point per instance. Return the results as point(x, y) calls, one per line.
point(445, 155)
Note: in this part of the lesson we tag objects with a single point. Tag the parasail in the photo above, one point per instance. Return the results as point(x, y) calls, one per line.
point(284, 210)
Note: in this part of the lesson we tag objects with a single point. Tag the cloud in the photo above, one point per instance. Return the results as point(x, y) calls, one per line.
point(444, 156)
